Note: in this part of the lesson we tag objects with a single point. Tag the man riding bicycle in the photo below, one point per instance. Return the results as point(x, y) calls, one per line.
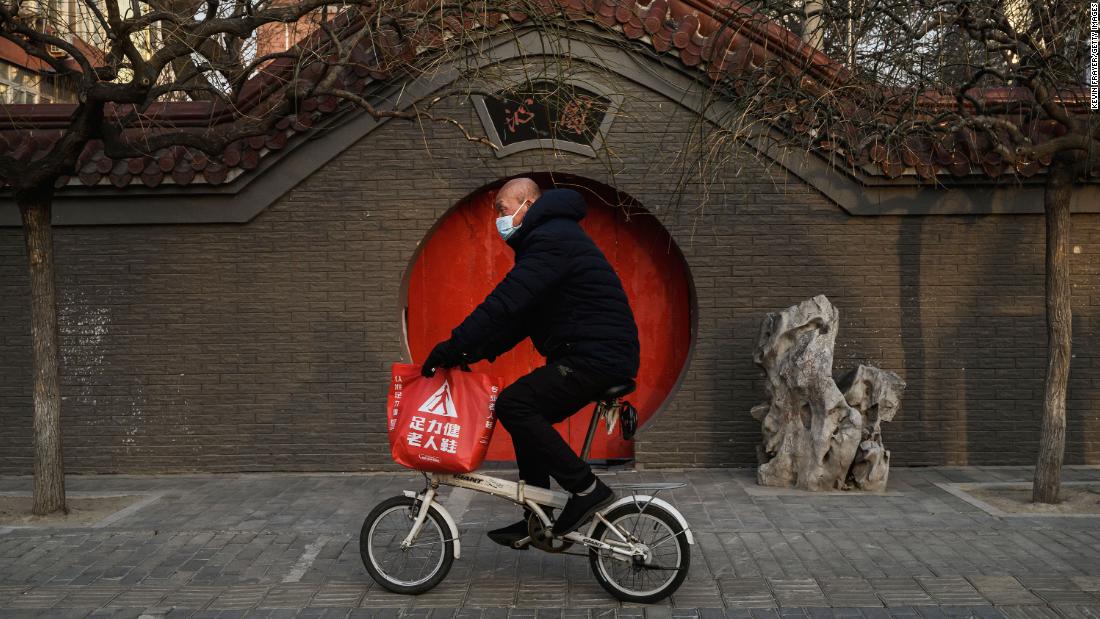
point(563, 294)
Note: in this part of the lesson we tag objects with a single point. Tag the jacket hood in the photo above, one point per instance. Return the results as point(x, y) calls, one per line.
point(551, 204)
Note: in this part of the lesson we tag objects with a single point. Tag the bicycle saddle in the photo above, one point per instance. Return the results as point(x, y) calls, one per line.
point(618, 391)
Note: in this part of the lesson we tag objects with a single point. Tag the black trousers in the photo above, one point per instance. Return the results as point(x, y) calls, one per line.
point(529, 407)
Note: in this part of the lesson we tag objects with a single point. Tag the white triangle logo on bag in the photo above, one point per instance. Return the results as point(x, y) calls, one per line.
point(440, 403)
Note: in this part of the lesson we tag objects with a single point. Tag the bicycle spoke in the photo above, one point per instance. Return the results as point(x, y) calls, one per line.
point(420, 574)
point(663, 540)
point(442, 541)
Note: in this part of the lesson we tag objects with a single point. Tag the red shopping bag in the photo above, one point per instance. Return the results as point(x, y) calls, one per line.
point(441, 424)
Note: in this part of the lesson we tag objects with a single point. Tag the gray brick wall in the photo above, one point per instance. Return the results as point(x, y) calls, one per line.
point(266, 346)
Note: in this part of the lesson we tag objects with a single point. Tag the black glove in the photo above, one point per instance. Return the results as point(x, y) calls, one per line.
point(443, 355)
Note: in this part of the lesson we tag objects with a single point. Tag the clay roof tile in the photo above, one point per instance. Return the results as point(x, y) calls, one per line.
point(215, 173)
point(730, 39)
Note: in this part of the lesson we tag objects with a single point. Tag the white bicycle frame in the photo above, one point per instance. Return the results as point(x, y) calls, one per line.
point(535, 498)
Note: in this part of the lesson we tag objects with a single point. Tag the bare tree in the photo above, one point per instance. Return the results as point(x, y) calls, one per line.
point(159, 51)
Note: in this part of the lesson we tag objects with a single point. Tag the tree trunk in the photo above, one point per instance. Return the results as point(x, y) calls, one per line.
point(812, 31)
point(49, 472)
point(1052, 438)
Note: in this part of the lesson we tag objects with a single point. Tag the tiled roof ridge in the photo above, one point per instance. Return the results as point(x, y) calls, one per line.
point(692, 30)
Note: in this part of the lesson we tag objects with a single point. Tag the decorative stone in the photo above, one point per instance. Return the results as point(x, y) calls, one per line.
point(876, 394)
point(818, 436)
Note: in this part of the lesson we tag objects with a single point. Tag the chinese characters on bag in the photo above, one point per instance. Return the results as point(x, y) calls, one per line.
point(396, 402)
point(447, 433)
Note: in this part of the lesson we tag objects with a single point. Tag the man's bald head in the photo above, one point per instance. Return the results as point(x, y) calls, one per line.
point(520, 189)
point(512, 196)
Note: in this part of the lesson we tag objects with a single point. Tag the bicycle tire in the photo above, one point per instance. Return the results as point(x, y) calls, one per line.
point(684, 549)
point(378, 574)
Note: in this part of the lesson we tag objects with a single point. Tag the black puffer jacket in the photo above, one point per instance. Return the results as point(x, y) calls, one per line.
point(562, 293)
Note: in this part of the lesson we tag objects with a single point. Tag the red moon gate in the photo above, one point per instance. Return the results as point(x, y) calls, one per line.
point(464, 258)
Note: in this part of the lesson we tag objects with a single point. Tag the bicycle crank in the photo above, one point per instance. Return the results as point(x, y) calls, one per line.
point(542, 539)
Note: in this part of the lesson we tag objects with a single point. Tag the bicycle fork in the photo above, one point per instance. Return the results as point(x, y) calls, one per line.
point(421, 516)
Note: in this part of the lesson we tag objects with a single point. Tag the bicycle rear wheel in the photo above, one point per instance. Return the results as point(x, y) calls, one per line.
point(641, 579)
point(415, 569)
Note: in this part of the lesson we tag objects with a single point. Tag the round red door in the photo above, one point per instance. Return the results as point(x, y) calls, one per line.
point(463, 259)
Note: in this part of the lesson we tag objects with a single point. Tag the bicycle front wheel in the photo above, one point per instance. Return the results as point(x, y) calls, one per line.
point(416, 568)
point(645, 579)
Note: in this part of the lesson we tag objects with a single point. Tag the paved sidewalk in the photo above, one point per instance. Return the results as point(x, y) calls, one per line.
point(286, 545)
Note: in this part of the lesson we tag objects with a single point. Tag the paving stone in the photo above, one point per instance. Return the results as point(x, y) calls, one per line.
point(1004, 590)
point(38, 597)
point(192, 596)
point(900, 612)
point(848, 592)
point(746, 593)
point(491, 592)
point(951, 591)
point(797, 592)
point(1028, 612)
point(1091, 611)
point(93, 596)
point(9, 591)
point(55, 613)
point(900, 592)
point(140, 597)
point(239, 597)
point(1047, 582)
point(117, 613)
point(541, 595)
point(585, 594)
point(339, 595)
point(447, 594)
point(1086, 583)
point(288, 596)
point(324, 613)
point(1067, 597)
point(380, 598)
point(698, 592)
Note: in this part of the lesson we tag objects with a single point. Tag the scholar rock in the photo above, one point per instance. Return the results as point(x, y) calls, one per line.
point(877, 394)
point(818, 435)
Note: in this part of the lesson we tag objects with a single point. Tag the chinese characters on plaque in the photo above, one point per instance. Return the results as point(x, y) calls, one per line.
point(543, 110)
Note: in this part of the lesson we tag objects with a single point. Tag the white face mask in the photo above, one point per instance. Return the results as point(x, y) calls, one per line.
point(504, 223)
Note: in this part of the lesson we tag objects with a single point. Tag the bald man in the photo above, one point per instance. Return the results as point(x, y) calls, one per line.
point(565, 296)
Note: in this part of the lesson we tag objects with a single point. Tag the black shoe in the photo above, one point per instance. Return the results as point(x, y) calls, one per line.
point(509, 535)
point(580, 508)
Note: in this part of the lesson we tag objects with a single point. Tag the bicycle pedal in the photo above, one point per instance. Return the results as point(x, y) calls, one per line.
point(522, 543)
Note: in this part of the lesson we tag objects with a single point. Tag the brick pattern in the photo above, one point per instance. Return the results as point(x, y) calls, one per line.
point(266, 345)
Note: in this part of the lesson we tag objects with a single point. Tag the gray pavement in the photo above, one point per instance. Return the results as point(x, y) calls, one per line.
point(286, 545)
